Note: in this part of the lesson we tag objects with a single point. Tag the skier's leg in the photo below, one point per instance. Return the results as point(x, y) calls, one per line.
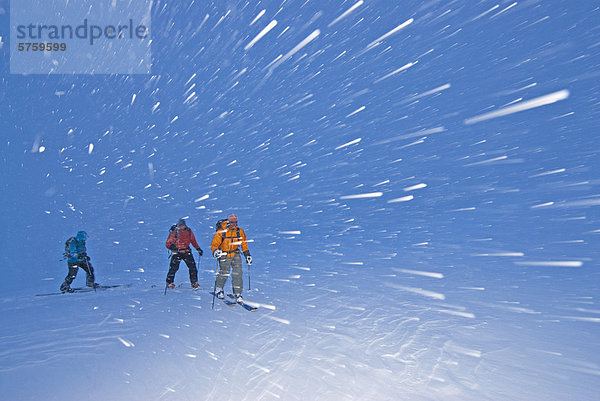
point(173, 267)
point(191, 264)
point(70, 276)
point(236, 275)
point(86, 266)
point(224, 267)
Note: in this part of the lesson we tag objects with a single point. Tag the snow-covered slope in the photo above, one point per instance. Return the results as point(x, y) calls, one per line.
point(419, 182)
point(324, 333)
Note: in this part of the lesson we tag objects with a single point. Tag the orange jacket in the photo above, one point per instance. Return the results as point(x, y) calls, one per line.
point(230, 243)
point(182, 238)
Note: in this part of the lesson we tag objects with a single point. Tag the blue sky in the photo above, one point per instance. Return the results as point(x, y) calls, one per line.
point(267, 143)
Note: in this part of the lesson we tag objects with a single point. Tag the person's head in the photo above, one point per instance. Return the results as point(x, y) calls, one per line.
point(232, 220)
point(181, 223)
point(81, 236)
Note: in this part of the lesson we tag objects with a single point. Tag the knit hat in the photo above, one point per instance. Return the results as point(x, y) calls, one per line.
point(181, 222)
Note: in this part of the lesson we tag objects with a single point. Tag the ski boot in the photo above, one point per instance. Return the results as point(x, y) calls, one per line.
point(66, 288)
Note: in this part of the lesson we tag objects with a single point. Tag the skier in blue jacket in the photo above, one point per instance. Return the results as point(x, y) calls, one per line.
point(76, 254)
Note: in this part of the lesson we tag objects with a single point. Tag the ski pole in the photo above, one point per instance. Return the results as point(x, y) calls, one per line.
point(215, 287)
point(166, 286)
point(248, 277)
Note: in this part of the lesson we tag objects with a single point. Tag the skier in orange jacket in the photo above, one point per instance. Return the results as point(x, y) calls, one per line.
point(225, 247)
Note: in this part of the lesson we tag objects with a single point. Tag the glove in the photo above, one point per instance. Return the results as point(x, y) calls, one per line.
point(248, 257)
point(82, 256)
point(88, 258)
point(173, 248)
point(199, 251)
point(218, 253)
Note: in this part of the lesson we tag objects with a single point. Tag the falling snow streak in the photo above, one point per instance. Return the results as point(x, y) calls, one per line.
point(522, 106)
point(404, 67)
point(261, 34)
point(390, 33)
point(363, 196)
point(296, 49)
point(346, 13)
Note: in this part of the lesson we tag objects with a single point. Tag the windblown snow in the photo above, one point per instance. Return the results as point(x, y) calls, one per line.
point(418, 182)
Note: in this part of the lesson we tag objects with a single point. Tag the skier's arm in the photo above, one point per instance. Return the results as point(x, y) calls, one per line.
point(244, 242)
point(73, 249)
point(245, 250)
point(193, 240)
point(195, 243)
point(216, 241)
point(170, 240)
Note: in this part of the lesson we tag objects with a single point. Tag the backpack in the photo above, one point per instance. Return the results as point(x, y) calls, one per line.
point(174, 228)
point(68, 242)
point(222, 225)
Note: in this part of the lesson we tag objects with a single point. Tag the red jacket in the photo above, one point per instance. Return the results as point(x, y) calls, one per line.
point(181, 237)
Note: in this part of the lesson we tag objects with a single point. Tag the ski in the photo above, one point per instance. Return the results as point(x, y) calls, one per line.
point(243, 304)
point(225, 301)
point(228, 302)
point(85, 289)
point(179, 287)
point(183, 285)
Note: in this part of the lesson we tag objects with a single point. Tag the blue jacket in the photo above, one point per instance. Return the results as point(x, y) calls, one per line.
point(76, 247)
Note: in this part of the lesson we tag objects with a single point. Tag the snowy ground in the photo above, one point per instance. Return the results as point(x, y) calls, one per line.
point(323, 333)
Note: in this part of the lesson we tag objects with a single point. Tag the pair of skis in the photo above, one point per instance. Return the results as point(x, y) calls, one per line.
point(226, 301)
point(85, 289)
point(234, 302)
point(231, 302)
point(179, 286)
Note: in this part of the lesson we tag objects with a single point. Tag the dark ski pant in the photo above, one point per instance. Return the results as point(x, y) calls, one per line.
point(86, 266)
point(176, 258)
point(235, 266)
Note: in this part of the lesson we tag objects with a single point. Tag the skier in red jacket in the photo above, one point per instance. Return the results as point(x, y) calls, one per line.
point(178, 243)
